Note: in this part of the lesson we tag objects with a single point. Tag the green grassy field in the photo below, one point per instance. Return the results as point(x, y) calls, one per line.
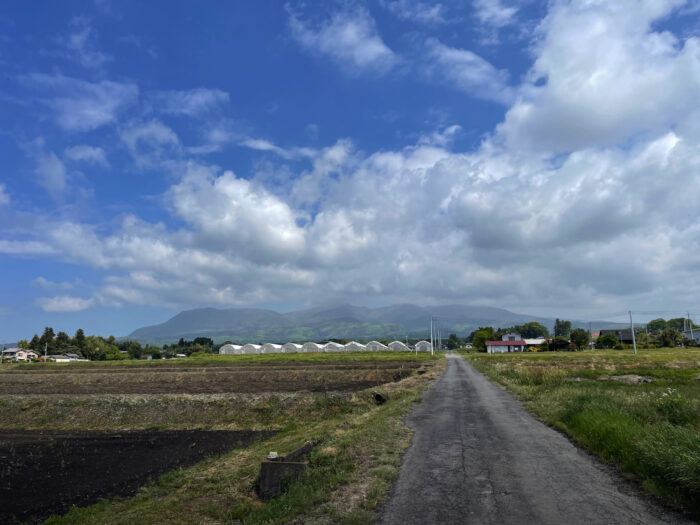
point(650, 431)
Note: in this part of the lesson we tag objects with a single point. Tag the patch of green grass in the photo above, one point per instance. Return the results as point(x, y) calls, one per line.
point(651, 431)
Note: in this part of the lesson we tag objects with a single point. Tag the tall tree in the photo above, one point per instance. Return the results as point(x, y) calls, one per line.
point(47, 339)
point(668, 337)
point(532, 330)
point(453, 342)
point(657, 325)
point(62, 341)
point(79, 339)
point(35, 344)
point(606, 341)
point(562, 328)
point(580, 338)
point(482, 335)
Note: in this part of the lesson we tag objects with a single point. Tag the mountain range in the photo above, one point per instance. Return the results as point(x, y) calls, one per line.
point(345, 321)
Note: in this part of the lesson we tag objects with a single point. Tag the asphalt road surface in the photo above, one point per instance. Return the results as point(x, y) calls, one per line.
point(478, 457)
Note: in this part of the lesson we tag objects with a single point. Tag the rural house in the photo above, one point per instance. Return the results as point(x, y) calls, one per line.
point(510, 342)
point(624, 335)
point(19, 354)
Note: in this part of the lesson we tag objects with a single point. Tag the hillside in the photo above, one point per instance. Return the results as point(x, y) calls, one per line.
point(338, 321)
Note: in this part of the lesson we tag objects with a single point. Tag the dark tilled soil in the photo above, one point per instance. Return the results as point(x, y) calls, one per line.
point(156, 366)
point(201, 380)
point(46, 472)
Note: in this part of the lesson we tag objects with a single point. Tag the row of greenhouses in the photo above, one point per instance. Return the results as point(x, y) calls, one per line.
point(296, 348)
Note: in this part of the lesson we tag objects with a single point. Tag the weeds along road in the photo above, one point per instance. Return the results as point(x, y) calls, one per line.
point(478, 457)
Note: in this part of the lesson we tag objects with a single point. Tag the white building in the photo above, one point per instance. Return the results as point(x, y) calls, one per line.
point(250, 348)
point(692, 334)
point(332, 346)
point(537, 341)
point(376, 346)
point(291, 348)
point(424, 346)
point(271, 348)
point(311, 347)
point(354, 346)
point(398, 346)
point(59, 358)
point(231, 349)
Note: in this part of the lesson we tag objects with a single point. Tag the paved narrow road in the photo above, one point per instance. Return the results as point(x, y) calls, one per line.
point(478, 457)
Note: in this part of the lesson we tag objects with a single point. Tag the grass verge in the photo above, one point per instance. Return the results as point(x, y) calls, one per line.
point(649, 430)
point(357, 458)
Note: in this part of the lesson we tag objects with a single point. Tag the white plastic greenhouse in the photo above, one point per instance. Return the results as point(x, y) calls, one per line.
point(271, 348)
point(398, 346)
point(291, 348)
point(311, 347)
point(354, 346)
point(376, 346)
point(230, 349)
point(332, 346)
point(423, 346)
point(251, 349)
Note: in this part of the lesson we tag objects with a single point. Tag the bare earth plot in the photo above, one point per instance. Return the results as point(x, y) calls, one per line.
point(478, 457)
point(107, 379)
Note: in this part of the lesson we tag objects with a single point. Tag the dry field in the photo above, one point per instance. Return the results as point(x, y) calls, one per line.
point(73, 420)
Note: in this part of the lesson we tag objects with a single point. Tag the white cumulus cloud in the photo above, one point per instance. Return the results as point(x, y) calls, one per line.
point(79, 105)
point(468, 72)
point(51, 173)
point(64, 303)
point(191, 102)
point(348, 37)
point(88, 154)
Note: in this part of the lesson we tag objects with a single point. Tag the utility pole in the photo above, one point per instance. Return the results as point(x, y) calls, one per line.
point(690, 323)
point(634, 341)
point(46, 346)
point(431, 335)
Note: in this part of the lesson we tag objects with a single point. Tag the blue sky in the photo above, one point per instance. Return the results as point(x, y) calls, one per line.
point(538, 156)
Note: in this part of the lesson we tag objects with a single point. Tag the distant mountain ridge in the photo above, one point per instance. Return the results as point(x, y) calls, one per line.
point(344, 321)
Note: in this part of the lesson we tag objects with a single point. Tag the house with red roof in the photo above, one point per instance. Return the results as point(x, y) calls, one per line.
point(510, 342)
